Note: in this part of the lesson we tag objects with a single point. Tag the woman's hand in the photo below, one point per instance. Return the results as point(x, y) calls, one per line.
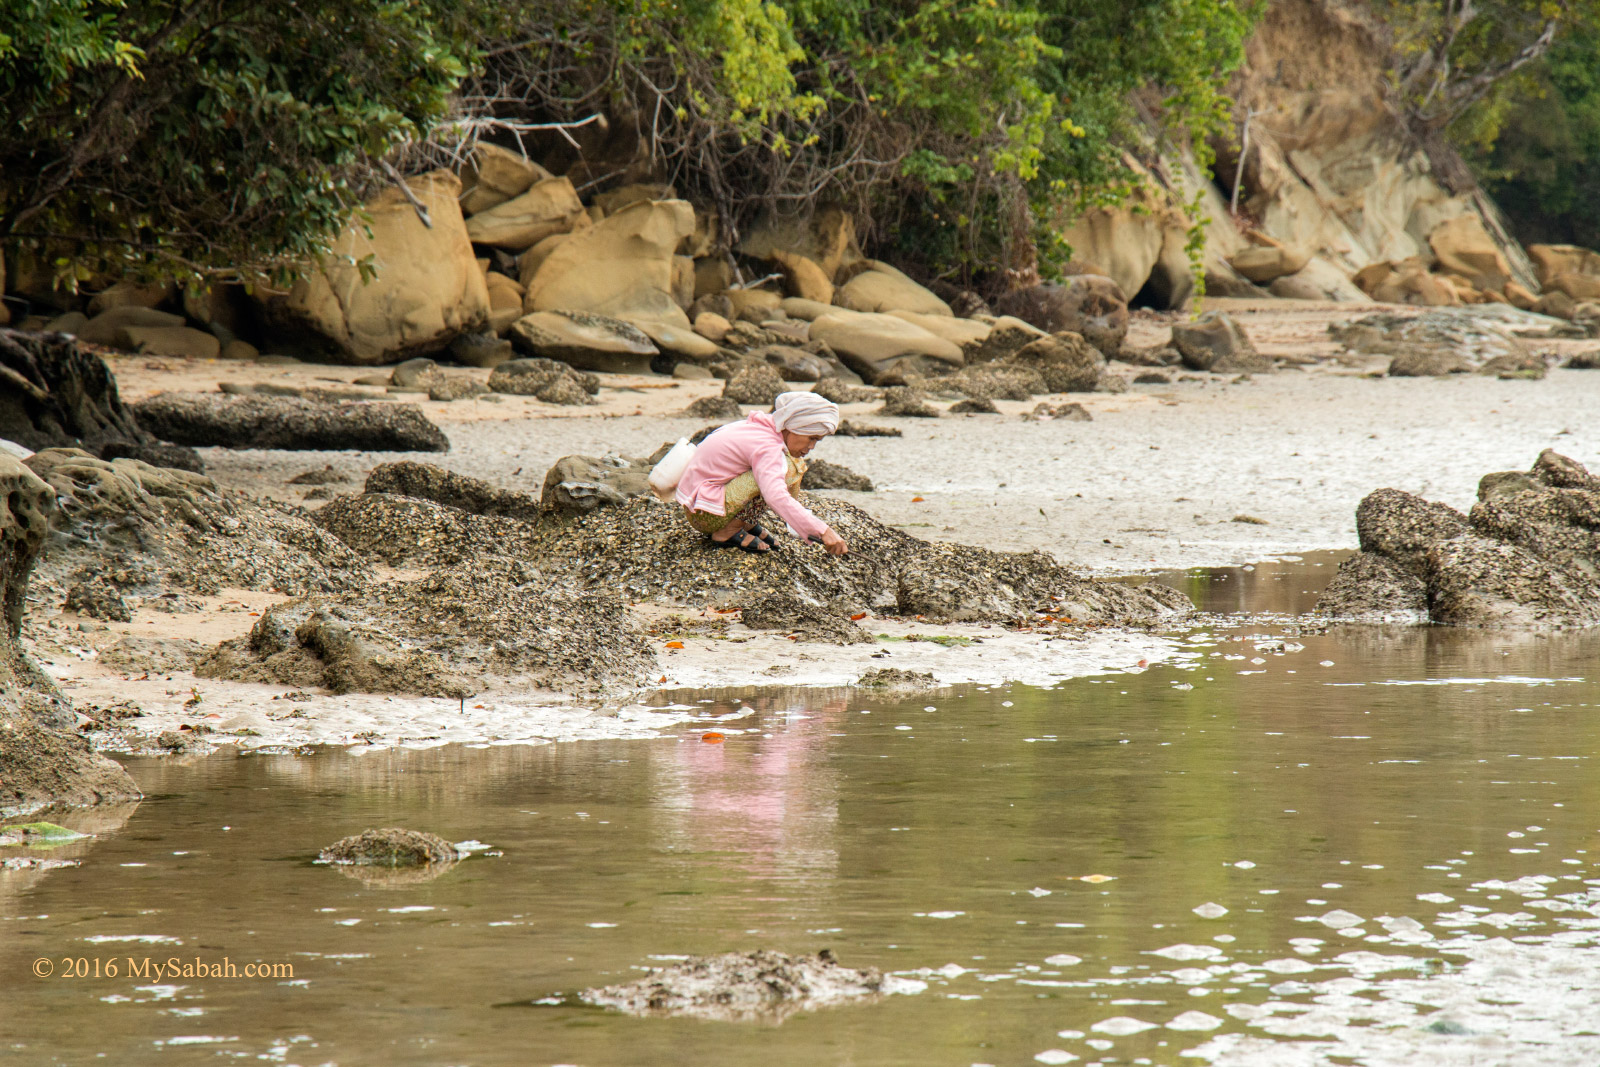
point(834, 543)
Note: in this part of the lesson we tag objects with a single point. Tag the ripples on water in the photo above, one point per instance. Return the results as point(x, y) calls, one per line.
point(1290, 847)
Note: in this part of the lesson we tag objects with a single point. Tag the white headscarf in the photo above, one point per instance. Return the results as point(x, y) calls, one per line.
point(806, 414)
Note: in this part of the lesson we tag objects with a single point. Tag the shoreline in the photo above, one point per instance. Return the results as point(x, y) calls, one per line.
point(1165, 478)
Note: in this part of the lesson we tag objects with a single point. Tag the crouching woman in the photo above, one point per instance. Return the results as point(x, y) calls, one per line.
point(747, 466)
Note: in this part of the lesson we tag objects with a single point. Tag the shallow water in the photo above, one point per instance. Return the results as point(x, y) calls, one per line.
point(1424, 781)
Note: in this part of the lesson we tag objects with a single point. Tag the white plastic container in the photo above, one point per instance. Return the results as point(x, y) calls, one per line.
point(664, 477)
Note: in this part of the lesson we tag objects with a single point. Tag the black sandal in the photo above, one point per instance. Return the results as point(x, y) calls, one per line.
point(762, 532)
point(745, 542)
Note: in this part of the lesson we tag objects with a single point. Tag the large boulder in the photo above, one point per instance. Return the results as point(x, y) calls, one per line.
point(426, 289)
point(1140, 244)
point(969, 334)
point(1550, 261)
point(1318, 280)
point(494, 175)
point(1580, 287)
point(827, 237)
point(204, 420)
point(110, 327)
point(548, 207)
point(883, 288)
point(60, 394)
point(803, 279)
point(1215, 342)
point(1090, 305)
point(586, 340)
point(622, 266)
point(1007, 335)
point(1527, 556)
point(1265, 264)
point(1066, 362)
point(877, 346)
point(1464, 247)
point(181, 342)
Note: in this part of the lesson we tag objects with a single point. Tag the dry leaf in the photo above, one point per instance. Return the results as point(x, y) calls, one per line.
point(712, 738)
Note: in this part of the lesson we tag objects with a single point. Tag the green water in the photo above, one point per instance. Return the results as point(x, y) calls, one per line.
point(1280, 794)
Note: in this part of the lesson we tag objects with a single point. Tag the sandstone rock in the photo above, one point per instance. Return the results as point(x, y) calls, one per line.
point(876, 346)
point(711, 326)
point(1318, 280)
point(544, 379)
point(427, 290)
point(1090, 305)
point(1265, 265)
point(1139, 245)
point(481, 350)
point(808, 310)
point(1066, 362)
point(761, 301)
point(586, 340)
point(1217, 343)
point(72, 322)
point(676, 339)
point(623, 196)
point(1580, 287)
point(1520, 298)
point(966, 333)
point(110, 327)
point(215, 419)
point(424, 481)
point(620, 267)
point(1550, 261)
point(239, 350)
point(883, 288)
point(577, 485)
point(826, 237)
point(177, 341)
point(692, 372)
point(129, 294)
point(1464, 247)
point(548, 207)
point(802, 278)
point(494, 175)
point(529, 262)
point(683, 281)
point(505, 300)
point(907, 403)
point(1437, 342)
point(1557, 305)
point(712, 274)
point(821, 474)
point(755, 385)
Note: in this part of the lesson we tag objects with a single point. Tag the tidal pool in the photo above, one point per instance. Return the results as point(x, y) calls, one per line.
point(1294, 846)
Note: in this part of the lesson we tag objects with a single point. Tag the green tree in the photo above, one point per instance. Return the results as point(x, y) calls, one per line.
point(196, 137)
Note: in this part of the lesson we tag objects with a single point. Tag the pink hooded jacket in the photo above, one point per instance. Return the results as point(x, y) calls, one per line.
point(754, 445)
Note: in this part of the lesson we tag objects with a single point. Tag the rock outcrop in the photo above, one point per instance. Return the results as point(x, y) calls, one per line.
point(1090, 305)
point(284, 422)
point(1445, 341)
point(1217, 343)
point(426, 290)
point(43, 763)
point(1527, 556)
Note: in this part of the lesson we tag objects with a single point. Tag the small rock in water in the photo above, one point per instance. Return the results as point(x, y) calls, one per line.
point(896, 678)
point(759, 986)
point(392, 847)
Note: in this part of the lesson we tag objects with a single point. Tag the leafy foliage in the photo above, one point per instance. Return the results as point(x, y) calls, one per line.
point(186, 138)
point(1536, 149)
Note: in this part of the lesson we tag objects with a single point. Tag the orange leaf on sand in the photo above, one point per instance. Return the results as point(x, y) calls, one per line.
point(711, 738)
point(858, 616)
point(662, 678)
point(916, 500)
point(674, 644)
